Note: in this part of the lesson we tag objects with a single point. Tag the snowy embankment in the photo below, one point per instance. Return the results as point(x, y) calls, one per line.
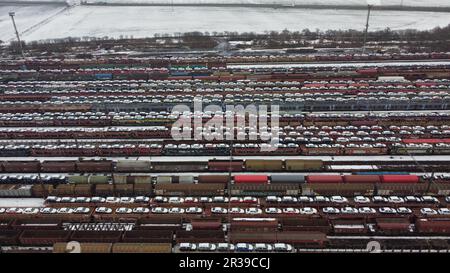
point(99, 21)
point(416, 3)
point(21, 202)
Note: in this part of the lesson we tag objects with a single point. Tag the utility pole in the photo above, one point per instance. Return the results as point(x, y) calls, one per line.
point(12, 14)
point(369, 7)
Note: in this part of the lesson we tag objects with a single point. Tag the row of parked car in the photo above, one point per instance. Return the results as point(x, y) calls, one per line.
point(326, 210)
point(252, 200)
point(357, 199)
point(240, 247)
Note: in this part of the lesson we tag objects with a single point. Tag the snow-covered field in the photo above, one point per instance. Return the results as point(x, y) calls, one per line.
point(40, 22)
point(26, 17)
point(291, 2)
point(146, 21)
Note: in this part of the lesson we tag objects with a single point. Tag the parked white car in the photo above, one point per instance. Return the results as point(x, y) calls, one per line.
point(308, 211)
point(338, 199)
point(218, 210)
point(273, 210)
point(331, 210)
point(428, 211)
point(361, 199)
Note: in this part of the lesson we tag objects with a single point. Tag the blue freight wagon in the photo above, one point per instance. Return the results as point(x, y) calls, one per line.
point(103, 76)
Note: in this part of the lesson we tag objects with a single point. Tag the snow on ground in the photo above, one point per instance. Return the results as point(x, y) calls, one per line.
point(289, 2)
point(21, 202)
point(129, 21)
point(26, 17)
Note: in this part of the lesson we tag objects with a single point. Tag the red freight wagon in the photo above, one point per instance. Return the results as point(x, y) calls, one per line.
point(261, 179)
point(224, 165)
point(324, 179)
point(22, 166)
point(407, 179)
point(208, 224)
point(393, 225)
point(367, 71)
point(58, 166)
point(265, 224)
point(370, 179)
point(433, 226)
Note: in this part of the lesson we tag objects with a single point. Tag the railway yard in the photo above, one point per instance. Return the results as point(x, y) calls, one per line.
point(361, 154)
